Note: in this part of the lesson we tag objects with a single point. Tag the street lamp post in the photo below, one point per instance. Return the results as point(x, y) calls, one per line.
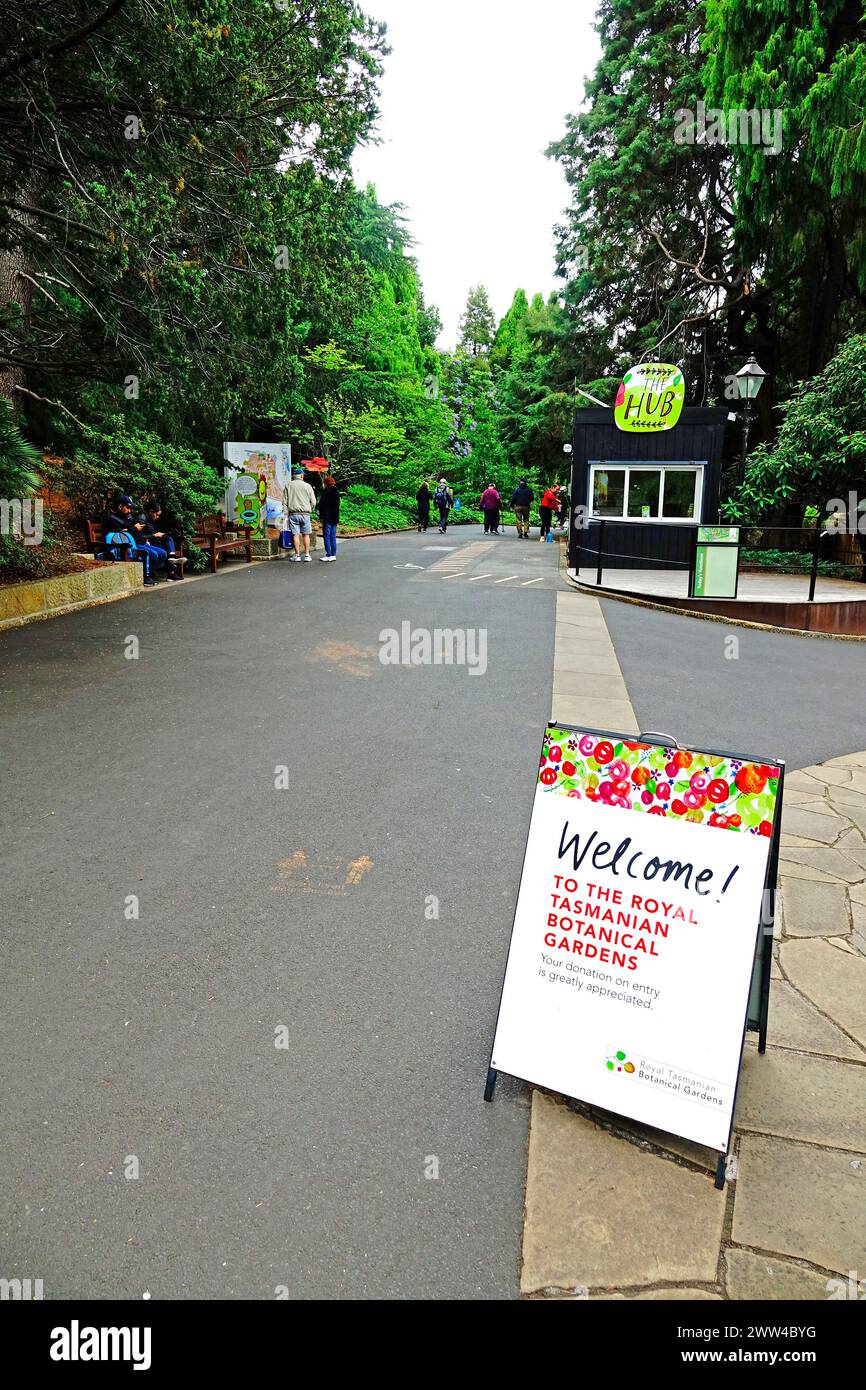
point(749, 379)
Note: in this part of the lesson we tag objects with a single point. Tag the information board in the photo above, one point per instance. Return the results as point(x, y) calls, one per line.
point(717, 562)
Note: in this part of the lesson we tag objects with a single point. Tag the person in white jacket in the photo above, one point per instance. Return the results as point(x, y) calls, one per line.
point(299, 502)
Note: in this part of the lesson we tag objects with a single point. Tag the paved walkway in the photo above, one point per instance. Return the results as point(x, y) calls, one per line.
point(292, 1035)
point(792, 1220)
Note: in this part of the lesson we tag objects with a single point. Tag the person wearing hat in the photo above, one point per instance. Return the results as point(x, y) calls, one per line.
point(299, 502)
point(118, 525)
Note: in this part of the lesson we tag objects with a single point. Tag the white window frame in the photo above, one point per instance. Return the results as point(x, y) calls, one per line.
point(662, 467)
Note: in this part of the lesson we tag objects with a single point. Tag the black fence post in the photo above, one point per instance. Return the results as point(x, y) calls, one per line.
point(693, 561)
point(601, 526)
point(816, 551)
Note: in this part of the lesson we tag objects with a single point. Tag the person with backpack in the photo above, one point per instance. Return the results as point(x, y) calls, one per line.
point(329, 515)
point(444, 499)
point(422, 497)
point(521, 501)
point(118, 526)
point(490, 503)
point(549, 504)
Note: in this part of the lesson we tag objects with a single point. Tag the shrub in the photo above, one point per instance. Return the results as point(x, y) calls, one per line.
point(141, 464)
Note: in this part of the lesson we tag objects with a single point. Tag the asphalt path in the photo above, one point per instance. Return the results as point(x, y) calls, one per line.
point(358, 1159)
point(713, 685)
point(359, 916)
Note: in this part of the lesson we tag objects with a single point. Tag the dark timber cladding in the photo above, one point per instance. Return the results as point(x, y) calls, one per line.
point(695, 442)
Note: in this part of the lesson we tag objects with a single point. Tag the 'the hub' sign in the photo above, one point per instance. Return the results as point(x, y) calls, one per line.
point(651, 397)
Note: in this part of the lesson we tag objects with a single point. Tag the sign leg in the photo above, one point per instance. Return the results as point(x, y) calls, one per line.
point(721, 1166)
point(490, 1084)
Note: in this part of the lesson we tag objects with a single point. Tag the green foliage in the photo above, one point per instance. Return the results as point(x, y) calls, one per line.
point(642, 204)
point(799, 217)
point(364, 507)
point(796, 562)
point(478, 324)
point(820, 451)
point(141, 464)
point(19, 461)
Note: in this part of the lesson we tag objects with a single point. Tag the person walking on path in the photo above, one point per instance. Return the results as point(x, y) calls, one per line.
point(490, 503)
point(422, 497)
point(521, 502)
point(549, 504)
point(329, 515)
point(562, 493)
point(299, 502)
point(444, 499)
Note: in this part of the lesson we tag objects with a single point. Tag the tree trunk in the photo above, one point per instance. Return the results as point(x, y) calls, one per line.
point(15, 263)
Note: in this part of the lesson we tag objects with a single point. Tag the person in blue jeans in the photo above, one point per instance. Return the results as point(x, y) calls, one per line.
point(329, 515)
point(120, 530)
point(150, 534)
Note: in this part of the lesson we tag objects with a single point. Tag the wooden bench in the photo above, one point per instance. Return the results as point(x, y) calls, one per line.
point(95, 532)
point(96, 544)
point(215, 535)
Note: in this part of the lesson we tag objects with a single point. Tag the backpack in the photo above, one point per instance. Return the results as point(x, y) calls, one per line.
point(443, 496)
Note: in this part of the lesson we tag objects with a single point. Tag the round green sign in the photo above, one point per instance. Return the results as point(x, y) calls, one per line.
point(650, 398)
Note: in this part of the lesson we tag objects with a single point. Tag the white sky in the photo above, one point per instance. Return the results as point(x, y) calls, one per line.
point(473, 92)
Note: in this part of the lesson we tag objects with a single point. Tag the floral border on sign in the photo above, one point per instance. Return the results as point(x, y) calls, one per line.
point(710, 789)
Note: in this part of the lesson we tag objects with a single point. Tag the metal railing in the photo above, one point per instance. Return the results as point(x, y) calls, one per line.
point(804, 558)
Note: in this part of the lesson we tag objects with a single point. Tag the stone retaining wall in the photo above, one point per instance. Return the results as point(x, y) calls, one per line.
point(46, 598)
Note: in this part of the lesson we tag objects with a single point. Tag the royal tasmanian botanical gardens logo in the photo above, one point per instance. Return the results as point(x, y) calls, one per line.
point(618, 1061)
point(650, 398)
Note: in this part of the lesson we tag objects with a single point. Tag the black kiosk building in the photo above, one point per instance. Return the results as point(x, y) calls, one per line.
point(651, 489)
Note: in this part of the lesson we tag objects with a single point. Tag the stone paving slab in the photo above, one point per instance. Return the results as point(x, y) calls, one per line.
point(830, 775)
point(796, 1023)
point(821, 808)
point(818, 1099)
point(815, 909)
point(798, 1200)
point(853, 844)
point(836, 983)
point(580, 1232)
point(855, 811)
point(791, 869)
point(764, 1276)
point(833, 862)
point(826, 828)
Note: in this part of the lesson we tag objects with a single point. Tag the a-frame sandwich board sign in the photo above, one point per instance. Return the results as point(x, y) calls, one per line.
point(643, 927)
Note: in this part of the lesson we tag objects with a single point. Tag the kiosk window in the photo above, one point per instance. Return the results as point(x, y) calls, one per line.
point(608, 491)
point(646, 492)
point(681, 494)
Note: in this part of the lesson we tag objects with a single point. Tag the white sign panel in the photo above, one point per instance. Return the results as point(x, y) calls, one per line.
point(635, 930)
point(256, 475)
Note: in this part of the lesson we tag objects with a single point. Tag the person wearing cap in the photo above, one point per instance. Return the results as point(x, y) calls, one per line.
point(299, 502)
point(119, 530)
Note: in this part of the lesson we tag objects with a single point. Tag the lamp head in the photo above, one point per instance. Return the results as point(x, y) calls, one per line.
point(750, 379)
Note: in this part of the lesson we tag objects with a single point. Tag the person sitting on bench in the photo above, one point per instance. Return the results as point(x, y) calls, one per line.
point(119, 530)
point(150, 533)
